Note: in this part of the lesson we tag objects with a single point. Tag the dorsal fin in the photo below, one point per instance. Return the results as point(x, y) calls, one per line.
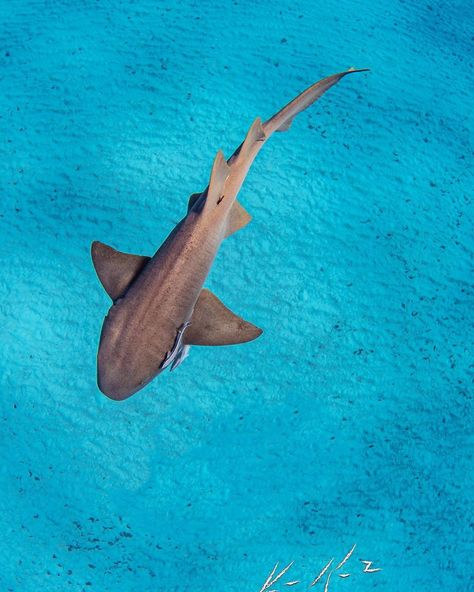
point(213, 323)
point(238, 216)
point(220, 172)
point(255, 135)
point(116, 270)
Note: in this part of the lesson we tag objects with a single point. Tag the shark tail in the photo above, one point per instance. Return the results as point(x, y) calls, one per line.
point(282, 120)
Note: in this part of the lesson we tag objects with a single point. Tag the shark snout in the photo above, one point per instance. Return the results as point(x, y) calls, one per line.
point(116, 387)
point(116, 380)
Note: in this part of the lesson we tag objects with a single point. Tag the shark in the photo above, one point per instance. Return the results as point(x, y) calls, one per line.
point(160, 307)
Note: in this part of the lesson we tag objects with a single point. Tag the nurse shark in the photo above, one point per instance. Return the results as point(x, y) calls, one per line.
point(160, 307)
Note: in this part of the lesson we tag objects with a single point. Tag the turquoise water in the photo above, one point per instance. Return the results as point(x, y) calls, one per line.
point(350, 420)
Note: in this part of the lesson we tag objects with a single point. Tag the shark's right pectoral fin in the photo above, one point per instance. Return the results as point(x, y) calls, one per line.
point(116, 270)
point(213, 323)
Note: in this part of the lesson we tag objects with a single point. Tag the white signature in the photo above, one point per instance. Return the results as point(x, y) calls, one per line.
point(273, 579)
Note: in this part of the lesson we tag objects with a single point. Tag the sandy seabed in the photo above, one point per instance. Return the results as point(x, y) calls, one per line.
point(349, 421)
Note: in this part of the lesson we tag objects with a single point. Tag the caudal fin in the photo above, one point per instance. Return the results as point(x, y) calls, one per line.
point(282, 120)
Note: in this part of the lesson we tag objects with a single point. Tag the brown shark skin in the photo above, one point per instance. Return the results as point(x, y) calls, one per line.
point(141, 326)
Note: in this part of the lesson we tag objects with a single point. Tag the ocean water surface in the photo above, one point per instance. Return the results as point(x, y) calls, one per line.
point(349, 421)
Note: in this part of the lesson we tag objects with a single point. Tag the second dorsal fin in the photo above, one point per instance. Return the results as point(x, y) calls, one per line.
point(255, 136)
point(116, 270)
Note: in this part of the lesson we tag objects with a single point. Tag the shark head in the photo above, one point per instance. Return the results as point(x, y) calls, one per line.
point(116, 383)
point(121, 374)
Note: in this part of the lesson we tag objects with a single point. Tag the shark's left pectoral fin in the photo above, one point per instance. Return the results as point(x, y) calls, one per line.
point(116, 270)
point(213, 323)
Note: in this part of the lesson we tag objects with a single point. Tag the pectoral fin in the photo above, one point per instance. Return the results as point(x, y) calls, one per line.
point(213, 323)
point(116, 270)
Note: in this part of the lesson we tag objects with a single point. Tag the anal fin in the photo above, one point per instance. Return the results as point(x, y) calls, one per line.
point(285, 126)
point(213, 323)
point(116, 270)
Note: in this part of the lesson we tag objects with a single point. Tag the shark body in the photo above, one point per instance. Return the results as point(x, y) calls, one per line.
point(159, 305)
